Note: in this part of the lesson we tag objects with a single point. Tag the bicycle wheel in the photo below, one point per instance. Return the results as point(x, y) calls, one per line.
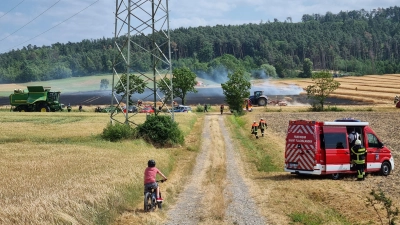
point(159, 204)
point(147, 202)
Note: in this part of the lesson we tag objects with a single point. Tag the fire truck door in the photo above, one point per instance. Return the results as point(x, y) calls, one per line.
point(337, 151)
point(373, 159)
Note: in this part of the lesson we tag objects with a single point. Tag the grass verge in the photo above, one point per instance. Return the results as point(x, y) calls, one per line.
point(257, 152)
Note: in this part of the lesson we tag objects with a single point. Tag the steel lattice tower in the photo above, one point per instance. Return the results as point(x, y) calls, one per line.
point(141, 36)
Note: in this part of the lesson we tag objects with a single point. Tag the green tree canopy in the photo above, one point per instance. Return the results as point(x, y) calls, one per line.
point(269, 70)
point(184, 81)
point(136, 85)
point(104, 84)
point(307, 68)
point(324, 85)
point(236, 89)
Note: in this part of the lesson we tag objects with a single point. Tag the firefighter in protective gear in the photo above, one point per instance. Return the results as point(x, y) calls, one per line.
point(254, 128)
point(262, 125)
point(358, 155)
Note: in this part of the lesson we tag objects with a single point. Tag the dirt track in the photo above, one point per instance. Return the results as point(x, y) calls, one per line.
point(217, 192)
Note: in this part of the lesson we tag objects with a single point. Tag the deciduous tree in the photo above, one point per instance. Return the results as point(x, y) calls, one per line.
point(183, 80)
point(324, 85)
point(104, 84)
point(236, 89)
point(136, 85)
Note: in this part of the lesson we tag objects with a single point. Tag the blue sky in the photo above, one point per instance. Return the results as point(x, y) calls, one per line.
point(44, 22)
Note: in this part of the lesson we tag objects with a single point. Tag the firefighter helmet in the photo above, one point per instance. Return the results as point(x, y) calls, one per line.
point(358, 142)
point(151, 163)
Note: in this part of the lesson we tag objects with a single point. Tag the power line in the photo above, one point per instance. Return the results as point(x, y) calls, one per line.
point(31, 20)
point(54, 25)
point(12, 9)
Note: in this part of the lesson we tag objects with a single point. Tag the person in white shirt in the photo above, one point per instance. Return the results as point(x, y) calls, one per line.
point(353, 136)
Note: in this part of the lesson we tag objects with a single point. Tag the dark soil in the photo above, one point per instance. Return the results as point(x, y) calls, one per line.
point(213, 96)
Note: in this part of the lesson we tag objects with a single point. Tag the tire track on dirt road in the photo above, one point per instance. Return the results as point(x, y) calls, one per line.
point(216, 192)
point(242, 209)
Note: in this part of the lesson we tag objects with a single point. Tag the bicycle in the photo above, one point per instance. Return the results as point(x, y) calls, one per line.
point(150, 199)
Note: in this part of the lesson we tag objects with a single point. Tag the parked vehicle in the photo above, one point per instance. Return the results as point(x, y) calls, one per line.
point(147, 109)
point(36, 99)
point(110, 109)
point(182, 108)
point(322, 148)
point(132, 109)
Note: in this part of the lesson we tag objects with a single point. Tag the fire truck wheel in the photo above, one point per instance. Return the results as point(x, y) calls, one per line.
point(385, 168)
point(335, 176)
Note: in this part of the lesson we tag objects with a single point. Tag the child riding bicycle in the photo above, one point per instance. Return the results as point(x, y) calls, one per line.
point(150, 174)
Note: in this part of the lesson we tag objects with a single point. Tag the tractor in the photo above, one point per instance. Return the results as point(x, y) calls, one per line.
point(259, 98)
point(36, 99)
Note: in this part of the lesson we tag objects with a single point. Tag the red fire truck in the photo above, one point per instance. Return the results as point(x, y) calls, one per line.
point(323, 148)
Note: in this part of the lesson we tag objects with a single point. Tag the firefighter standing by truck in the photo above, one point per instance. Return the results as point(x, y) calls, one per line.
point(254, 128)
point(262, 125)
point(358, 158)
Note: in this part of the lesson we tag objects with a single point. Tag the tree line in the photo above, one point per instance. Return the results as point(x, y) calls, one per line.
point(354, 42)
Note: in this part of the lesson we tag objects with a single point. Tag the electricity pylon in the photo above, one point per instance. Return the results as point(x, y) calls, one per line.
point(142, 45)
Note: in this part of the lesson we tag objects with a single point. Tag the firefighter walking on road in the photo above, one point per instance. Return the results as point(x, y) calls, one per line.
point(254, 128)
point(262, 125)
point(358, 158)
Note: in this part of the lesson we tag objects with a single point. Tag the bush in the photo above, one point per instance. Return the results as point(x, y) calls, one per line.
point(239, 113)
point(199, 108)
point(334, 109)
point(160, 130)
point(117, 131)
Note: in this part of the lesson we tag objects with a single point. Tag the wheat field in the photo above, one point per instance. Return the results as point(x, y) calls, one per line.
point(370, 89)
point(55, 169)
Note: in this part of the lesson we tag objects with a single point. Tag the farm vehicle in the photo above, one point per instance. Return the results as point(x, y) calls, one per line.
point(36, 99)
point(278, 102)
point(258, 98)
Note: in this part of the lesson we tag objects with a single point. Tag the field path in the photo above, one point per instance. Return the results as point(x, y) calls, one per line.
point(216, 192)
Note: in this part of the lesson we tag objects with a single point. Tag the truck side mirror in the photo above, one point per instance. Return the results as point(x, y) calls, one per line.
point(380, 145)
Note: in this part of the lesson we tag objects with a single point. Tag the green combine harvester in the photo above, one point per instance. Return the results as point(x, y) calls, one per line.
point(37, 99)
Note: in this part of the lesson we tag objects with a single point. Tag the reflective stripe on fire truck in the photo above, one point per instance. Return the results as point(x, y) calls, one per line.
point(305, 155)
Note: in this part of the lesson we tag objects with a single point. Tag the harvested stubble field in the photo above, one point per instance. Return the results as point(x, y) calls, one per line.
point(285, 197)
point(371, 89)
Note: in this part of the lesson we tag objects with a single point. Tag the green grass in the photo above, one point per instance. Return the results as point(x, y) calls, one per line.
point(329, 216)
point(255, 150)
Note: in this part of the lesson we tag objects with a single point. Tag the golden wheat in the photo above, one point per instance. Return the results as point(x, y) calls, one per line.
point(54, 167)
